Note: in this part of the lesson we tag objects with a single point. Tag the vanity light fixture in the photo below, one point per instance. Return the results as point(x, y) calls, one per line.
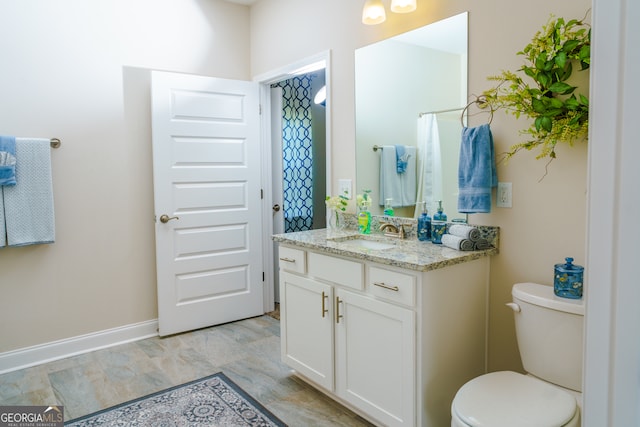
point(403, 6)
point(373, 12)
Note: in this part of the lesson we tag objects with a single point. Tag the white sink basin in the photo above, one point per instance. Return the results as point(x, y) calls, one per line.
point(359, 243)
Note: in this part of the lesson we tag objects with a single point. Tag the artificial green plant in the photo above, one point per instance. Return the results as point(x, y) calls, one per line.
point(541, 90)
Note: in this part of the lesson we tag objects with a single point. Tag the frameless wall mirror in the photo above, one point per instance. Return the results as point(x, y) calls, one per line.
point(410, 91)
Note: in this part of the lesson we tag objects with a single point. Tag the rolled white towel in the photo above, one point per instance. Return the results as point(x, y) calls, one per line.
point(481, 245)
point(457, 242)
point(465, 231)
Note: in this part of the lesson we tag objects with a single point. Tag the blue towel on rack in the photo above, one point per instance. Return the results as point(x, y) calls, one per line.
point(477, 173)
point(7, 160)
point(402, 158)
point(28, 205)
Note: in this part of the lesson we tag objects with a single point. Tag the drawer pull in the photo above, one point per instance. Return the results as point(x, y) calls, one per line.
point(338, 315)
point(324, 309)
point(287, 259)
point(385, 286)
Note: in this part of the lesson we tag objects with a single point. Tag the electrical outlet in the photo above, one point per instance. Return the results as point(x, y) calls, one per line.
point(504, 194)
point(344, 186)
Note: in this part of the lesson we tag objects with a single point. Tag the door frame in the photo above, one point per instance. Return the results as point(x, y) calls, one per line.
point(264, 81)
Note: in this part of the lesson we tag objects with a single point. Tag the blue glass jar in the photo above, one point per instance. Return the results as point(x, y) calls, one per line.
point(567, 280)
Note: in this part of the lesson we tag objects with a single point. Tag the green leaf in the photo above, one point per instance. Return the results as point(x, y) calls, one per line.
point(570, 45)
point(561, 88)
point(555, 103)
point(572, 103)
point(561, 59)
point(585, 53)
point(584, 100)
point(538, 106)
point(529, 72)
point(538, 123)
point(544, 79)
point(541, 61)
point(546, 123)
point(567, 72)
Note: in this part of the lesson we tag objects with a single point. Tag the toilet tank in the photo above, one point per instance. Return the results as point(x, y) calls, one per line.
point(549, 330)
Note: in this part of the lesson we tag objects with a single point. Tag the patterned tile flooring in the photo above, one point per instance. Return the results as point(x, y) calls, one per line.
point(247, 351)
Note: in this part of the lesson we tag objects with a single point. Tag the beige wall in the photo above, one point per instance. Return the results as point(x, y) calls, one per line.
point(77, 70)
point(547, 221)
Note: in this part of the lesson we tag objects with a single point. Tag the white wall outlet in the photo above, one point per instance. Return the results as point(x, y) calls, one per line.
point(504, 195)
point(344, 187)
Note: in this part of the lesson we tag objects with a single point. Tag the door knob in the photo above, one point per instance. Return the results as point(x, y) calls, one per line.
point(164, 218)
point(276, 208)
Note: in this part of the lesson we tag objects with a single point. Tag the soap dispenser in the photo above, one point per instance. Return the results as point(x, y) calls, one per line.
point(424, 224)
point(438, 225)
point(388, 207)
point(364, 215)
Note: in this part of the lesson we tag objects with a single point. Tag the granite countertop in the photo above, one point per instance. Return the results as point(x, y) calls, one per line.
point(406, 253)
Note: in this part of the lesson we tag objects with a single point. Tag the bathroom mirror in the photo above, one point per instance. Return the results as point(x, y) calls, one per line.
point(397, 81)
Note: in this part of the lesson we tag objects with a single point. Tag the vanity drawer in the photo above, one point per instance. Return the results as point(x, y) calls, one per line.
point(392, 285)
point(291, 259)
point(336, 270)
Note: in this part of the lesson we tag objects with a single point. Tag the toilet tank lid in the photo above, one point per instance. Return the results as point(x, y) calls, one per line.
point(542, 295)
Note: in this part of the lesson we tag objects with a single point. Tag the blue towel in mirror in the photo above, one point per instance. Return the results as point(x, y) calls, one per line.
point(7, 160)
point(402, 158)
point(477, 173)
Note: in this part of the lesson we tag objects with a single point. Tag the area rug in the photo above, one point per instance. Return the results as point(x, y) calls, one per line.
point(211, 401)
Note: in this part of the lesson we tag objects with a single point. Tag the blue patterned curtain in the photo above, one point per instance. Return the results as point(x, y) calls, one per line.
point(297, 153)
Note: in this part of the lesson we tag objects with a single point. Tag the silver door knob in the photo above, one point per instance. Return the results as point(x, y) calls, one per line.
point(166, 218)
point(276, 208)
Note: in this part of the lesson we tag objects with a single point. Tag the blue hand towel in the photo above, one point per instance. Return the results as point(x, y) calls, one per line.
point(476, 170)
point(7, 160)
point(28, 205)
point(401, 159)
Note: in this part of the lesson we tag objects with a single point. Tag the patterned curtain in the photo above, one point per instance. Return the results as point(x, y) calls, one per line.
point(297, 153)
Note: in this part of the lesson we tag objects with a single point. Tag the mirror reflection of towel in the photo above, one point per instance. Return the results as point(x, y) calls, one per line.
point(401, 187)
point(402, 158)
point(7, 160)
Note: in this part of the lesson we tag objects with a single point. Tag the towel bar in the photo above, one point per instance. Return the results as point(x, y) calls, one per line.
point(55, 143)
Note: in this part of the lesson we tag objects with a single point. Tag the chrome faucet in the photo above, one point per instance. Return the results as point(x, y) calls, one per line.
point(392, 231)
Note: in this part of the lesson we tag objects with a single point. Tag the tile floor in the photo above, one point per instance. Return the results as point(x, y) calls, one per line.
point(247, 351)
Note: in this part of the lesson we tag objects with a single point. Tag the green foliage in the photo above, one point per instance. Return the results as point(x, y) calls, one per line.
point(540, 91)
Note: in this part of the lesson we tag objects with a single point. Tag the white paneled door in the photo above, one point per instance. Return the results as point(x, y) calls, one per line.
point(206, 166)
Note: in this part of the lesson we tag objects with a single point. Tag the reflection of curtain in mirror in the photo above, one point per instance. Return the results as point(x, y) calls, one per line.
point(429, 162)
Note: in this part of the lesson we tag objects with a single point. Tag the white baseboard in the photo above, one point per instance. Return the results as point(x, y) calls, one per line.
point(42, 353)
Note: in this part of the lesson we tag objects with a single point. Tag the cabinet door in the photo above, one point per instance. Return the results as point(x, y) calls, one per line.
point(306, 322)
point(375, 357)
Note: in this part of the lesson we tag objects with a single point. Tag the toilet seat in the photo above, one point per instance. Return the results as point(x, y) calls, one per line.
point(507, 399)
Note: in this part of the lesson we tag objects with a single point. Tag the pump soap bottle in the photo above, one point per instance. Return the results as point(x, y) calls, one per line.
point(438, 225)
point(424, 224)
point(388, 207)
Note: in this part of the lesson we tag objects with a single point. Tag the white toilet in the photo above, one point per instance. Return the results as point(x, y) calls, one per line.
point(549, 331)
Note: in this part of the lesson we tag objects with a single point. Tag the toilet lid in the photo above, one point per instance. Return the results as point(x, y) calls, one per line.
point(507, 399)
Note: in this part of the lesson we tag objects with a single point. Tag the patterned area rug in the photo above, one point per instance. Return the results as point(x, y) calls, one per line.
point(210, 401)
